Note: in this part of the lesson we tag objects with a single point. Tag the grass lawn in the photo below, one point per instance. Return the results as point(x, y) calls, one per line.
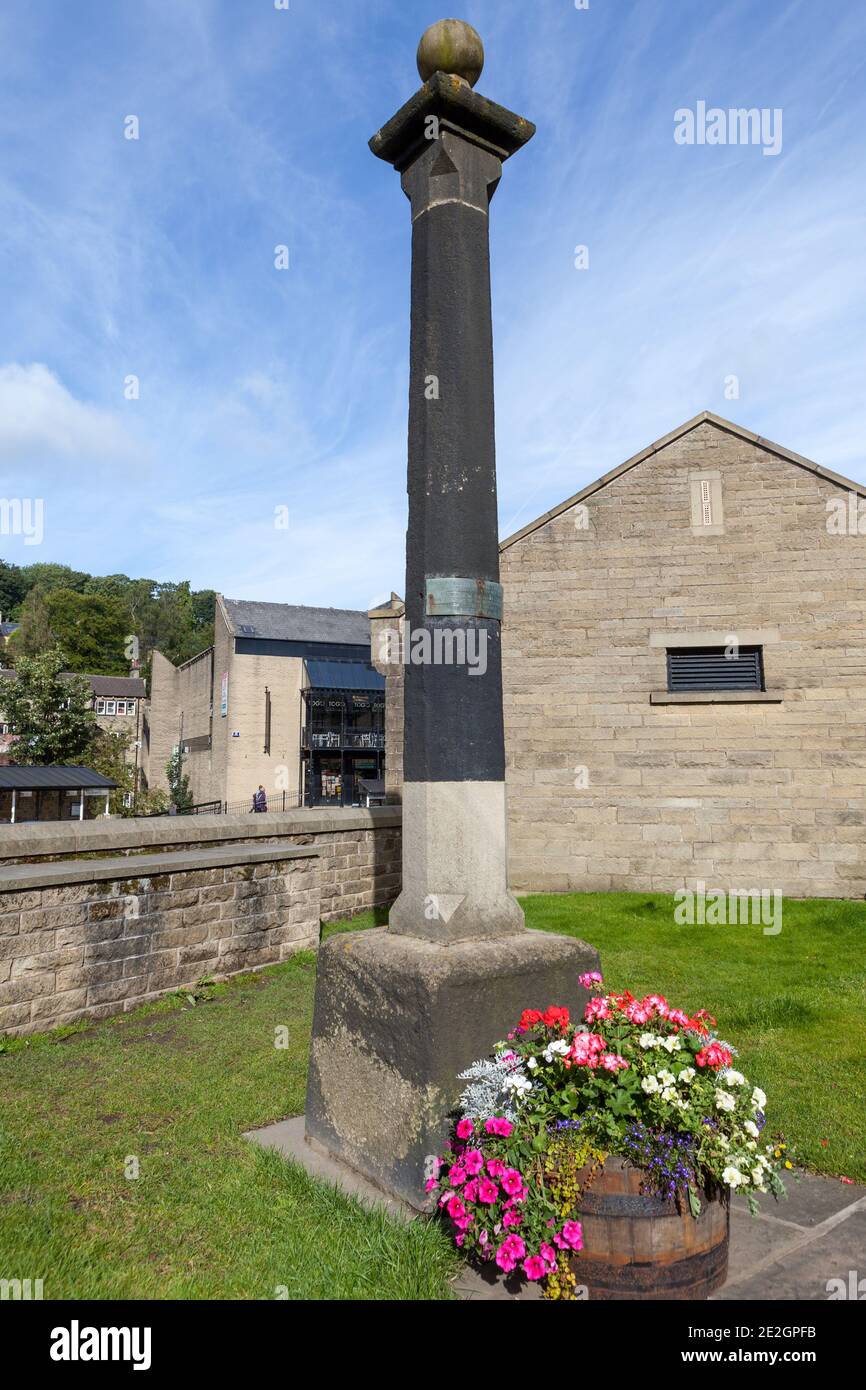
point(211, 1216)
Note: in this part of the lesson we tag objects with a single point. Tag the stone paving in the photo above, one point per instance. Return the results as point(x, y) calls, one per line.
point(791, 1250)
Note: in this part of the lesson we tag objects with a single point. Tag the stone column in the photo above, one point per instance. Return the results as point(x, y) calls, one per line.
point(400, 1011)
point(449, 145)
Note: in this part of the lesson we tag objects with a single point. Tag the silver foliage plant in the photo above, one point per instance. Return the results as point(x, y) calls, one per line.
point(486, 1096)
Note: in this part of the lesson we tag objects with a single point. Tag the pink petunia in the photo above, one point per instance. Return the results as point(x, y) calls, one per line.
point(548, 1254)
point(470, 1191)
point(497, 1124)
point(473, 1161)
point(465, 1129)
point(495, 1167)
point(573, 1235)
point(512, 1182)
point(487, 1190)
point(430, 1184)
point(510, 1251)
point(456, 1209)
point(512, 1218)
point(534, 1268)
point(456, 1175)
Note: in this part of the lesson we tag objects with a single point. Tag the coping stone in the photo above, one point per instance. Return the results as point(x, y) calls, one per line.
point(21, 878)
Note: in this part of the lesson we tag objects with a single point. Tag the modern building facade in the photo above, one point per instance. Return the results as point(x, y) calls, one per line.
point(684, 659)
point(285, 699)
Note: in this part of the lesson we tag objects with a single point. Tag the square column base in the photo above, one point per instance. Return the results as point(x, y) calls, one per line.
point(396, 1018)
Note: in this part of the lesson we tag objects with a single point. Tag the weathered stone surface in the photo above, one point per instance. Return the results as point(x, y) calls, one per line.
point(396, 1019)
point(122, 947)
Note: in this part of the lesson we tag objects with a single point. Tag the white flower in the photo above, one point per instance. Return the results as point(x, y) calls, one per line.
point(723, 1141)
point(647, 1040)
point(667, 1078)
point(733, 1177)
point(759, 1100)
point(670, 1095)
point(758, 1177)
point(724, 1101)
point(751, 1128)
point(733, 1078)
point(560, 1045)
point(672, 1044)
point(532, 1063)
point(518, 1083)
point(650, 1084)
point(686, 1075)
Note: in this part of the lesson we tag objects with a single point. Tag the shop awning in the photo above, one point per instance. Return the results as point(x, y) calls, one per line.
point(344, 675)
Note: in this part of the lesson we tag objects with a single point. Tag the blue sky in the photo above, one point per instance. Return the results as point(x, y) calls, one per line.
point(262, 389)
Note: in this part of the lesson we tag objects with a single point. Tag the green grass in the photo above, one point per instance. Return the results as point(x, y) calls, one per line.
point(211, 1216)
point(793, 1004)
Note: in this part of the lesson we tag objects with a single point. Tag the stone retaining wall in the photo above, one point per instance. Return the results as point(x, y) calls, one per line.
point(102, 916)
point(359, 850)
point(88, 939)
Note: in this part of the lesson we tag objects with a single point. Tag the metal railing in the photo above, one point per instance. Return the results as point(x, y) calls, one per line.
point(335, 739)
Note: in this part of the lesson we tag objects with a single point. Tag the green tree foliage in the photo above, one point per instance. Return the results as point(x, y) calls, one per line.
point(34, 635)
point(178, 782)
point(91, 630)
point(91, 616)
point(50, 712)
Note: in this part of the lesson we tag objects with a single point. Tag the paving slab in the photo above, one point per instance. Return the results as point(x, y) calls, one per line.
point(792, 1249)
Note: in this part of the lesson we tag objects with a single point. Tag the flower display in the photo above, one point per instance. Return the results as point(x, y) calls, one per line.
point(637, 1078)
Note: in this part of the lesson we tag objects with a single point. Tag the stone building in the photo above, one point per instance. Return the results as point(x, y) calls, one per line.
point(286, 698)
point(684, 652)
point(117, 702)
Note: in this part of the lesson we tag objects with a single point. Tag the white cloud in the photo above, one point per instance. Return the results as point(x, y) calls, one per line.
point(39, 417)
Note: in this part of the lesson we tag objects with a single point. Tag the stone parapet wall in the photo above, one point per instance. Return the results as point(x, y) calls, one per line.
point(98, 917)
point(98, 937)
point(359, 850)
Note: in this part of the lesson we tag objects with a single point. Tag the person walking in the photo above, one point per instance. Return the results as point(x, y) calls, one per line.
point(260, 799)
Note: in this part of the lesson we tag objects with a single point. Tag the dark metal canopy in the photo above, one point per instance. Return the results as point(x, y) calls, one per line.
point(52, 779)
point(344, 675)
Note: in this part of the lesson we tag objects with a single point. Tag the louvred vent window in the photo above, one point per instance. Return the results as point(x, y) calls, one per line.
point(715, 668)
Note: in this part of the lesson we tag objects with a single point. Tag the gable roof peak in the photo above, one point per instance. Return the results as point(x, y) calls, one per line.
point(705, 417)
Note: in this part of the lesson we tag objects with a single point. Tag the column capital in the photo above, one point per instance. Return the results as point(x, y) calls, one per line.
point(447, 103)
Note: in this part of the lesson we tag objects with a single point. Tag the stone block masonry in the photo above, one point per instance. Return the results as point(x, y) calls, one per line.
point(358, 850)
point(98, 937)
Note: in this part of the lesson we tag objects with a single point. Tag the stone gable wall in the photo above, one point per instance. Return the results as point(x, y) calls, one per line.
point(735, 794)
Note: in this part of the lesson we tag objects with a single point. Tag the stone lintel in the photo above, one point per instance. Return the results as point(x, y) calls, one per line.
point(457, 108)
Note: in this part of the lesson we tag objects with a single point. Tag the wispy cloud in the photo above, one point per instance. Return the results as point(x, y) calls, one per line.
point(262, 388)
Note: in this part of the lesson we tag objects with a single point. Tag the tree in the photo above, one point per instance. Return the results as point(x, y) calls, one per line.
point(91, 630)
point(13, 590)
point(34, 636)
point(50, 713)
point(178, 782)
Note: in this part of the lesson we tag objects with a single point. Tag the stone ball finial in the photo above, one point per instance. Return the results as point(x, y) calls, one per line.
point(452, 46)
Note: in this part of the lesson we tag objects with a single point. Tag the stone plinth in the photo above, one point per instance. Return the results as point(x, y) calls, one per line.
point(397, 1018)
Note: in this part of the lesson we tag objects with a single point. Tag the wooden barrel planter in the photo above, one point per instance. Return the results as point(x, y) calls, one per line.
point(637, 1246)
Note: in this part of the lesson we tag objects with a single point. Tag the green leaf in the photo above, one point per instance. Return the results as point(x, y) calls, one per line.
point(694, 1202)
